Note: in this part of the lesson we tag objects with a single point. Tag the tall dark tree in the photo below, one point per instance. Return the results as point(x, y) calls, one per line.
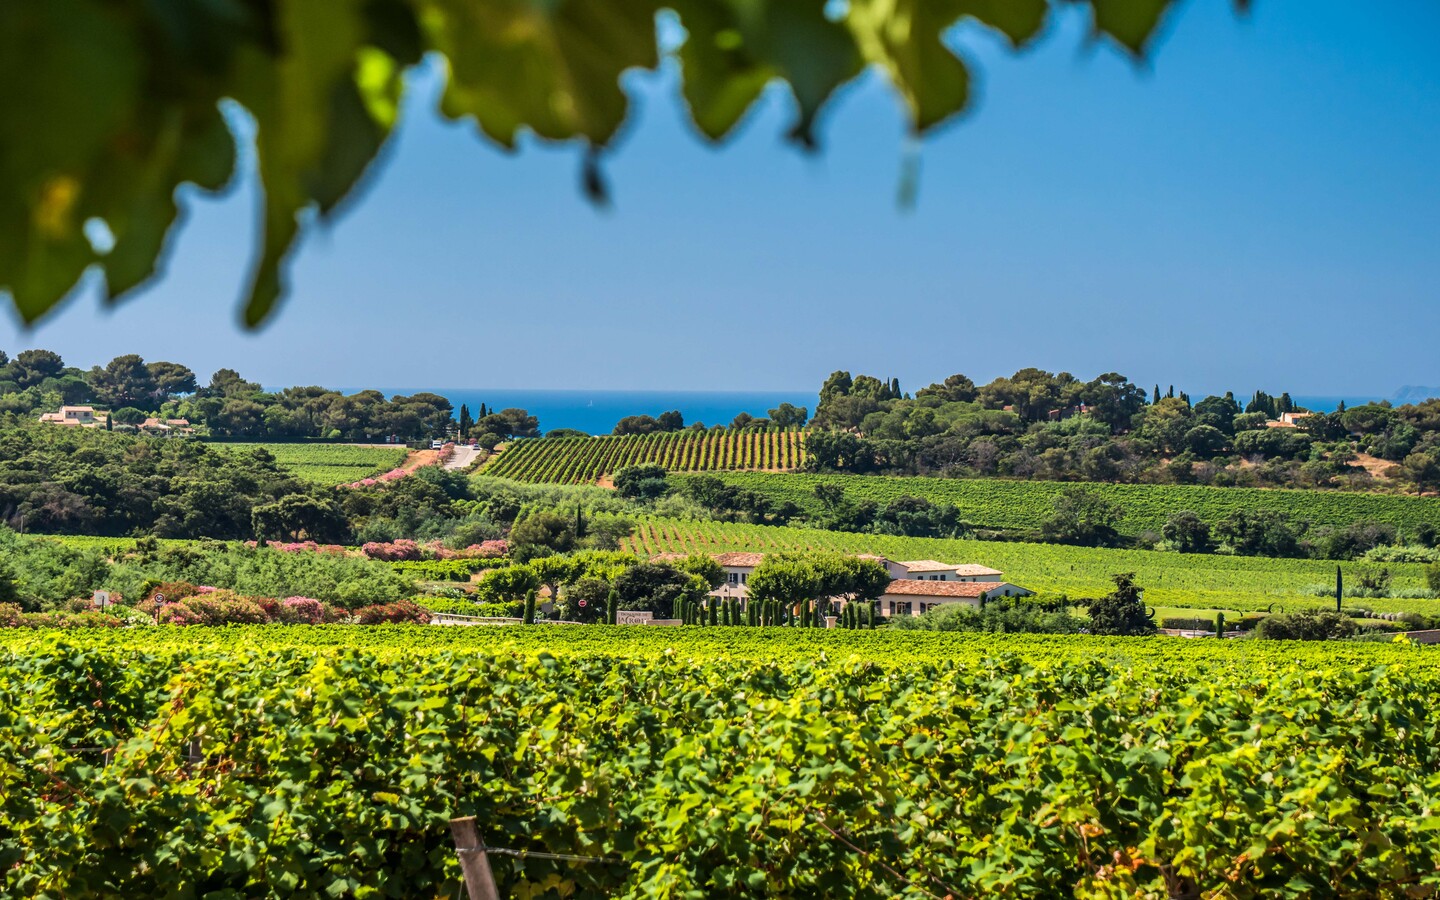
point(1121, 612)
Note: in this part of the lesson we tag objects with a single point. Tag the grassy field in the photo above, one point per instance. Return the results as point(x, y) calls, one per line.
point(585, 460)
point(1180, 580)
point(1023, 505)
point(327, 464)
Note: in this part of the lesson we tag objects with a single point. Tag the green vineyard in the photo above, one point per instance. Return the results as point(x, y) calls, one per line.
point(1201, 581)
point(586, 460)
point(718, 762)
point(1023, 505)
point(326, 464)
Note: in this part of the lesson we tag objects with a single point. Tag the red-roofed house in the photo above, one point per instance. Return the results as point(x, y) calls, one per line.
point(915, 597)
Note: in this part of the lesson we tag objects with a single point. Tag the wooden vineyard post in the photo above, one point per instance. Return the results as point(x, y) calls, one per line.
point(474, 863)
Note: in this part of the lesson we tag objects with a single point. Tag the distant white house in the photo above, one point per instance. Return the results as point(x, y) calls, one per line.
point(82, 416)
point(916, 586)
point(930, 570)
point(914, 597)
point(153, 425)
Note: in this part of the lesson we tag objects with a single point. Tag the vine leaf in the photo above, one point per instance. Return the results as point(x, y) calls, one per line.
point(551, 67)
point(107, 107)
point(1019, 20)
point(1130, 22)
point(905, 38)
point(735, 48)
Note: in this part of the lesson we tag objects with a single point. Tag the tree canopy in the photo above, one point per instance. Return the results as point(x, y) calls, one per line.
point(108, 106)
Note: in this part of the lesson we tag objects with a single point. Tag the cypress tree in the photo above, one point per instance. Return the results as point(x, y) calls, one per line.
point(714, 612)
point(529, 609)
point(612, 606)
point(466, 423)
point(1339, 588)
point(1156, 399)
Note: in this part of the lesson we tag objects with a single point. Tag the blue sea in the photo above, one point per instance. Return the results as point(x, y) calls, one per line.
point(596, 412)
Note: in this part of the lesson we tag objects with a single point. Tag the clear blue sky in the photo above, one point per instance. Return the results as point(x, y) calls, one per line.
point(1258, 207)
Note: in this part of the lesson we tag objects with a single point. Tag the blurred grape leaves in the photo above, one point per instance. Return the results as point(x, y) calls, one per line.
point(108, 106)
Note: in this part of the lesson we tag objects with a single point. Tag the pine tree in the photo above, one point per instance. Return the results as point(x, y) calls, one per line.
point(529, 608)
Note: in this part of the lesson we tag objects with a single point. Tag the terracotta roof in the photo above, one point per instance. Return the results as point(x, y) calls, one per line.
point(973, 569)
point(912, 586)
point(740, 559)
point(927, 565)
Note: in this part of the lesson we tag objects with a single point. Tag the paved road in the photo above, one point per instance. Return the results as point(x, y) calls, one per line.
point(462, 458)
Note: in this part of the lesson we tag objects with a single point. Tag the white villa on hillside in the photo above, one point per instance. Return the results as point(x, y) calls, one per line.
point(83, 416)
point(930, 570)
point(915, 597)
point(915, 588)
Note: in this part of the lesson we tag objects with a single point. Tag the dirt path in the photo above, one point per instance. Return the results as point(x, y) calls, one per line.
point(1373, 464)
point(419, 459)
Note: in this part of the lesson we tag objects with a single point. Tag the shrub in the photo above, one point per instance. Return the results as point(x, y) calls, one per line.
point(1432, 577)
point(1188, 623)
point(393, 551)
point(399, 612)
point(301, 611)
point(10, 615)
point(460, 607)
point(1311, 625)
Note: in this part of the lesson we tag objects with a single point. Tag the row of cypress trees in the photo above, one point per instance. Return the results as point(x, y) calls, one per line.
point(730, 612)
point(767, 613)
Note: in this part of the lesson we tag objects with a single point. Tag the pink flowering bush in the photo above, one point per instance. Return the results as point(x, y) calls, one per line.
point(301, 611)
point(485, 550)
point(399, 612)
point(402, 550)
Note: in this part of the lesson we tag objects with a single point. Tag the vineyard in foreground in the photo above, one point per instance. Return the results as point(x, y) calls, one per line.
point(1023, 505)
point(585, 460)
point(1202, 581)
point(326, 464)
point(734, 762)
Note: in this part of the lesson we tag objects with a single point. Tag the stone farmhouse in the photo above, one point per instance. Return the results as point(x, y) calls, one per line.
point(916, 587)
point(81, 416)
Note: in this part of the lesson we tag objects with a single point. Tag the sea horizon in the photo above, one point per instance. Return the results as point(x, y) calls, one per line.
point(596, 411)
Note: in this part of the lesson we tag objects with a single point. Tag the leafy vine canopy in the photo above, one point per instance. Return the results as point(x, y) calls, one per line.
point(108, 106)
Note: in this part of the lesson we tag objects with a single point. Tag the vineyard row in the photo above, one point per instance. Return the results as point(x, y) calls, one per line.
point(585, 460)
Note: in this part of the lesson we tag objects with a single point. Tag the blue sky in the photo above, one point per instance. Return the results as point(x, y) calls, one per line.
point(1259, 206)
